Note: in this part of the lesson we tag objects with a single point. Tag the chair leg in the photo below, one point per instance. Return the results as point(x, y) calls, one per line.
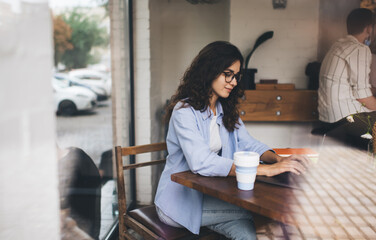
point(128, 236)
point(125, 236)
point(142, 230)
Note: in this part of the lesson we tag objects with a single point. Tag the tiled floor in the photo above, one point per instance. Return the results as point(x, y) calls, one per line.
point(338, 201)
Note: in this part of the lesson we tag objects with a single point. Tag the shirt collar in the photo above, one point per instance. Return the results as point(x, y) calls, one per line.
point(352, 38)
point(207, 113)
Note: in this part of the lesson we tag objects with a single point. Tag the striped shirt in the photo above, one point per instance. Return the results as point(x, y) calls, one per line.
point(344, 77)
point(372, 74)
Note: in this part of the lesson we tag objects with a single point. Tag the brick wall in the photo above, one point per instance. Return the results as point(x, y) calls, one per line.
point(120, 79)
point(29, 206)
point(293, 45)
point(142, 94)
point(120, 73)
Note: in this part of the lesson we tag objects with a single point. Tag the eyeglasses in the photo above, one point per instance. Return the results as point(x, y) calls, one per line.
point(230, 75)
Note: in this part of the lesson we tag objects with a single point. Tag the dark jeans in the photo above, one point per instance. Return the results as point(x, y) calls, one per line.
point(351, 132)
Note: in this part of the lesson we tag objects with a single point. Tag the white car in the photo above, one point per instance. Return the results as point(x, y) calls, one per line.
point(100, 91)
point(92, 78)
point(70, 99)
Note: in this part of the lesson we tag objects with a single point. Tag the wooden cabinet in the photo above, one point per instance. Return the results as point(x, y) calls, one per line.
point(279, 105)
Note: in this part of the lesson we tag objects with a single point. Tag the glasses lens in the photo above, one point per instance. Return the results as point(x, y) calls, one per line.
point(229, 76)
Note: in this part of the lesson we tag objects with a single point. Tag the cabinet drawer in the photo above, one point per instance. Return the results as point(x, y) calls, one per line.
point(283, 105)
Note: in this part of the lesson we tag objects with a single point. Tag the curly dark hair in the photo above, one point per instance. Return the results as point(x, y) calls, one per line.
point(195, 87)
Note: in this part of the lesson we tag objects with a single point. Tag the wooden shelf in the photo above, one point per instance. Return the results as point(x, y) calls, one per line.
point(279, 105)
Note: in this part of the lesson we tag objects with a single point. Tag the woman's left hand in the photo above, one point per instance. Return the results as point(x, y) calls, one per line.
point(299, 158)
point(277, 164)
point(296, 164)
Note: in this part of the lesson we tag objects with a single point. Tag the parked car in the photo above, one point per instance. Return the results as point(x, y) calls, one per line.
point(100, 91)
point(70, 99)
point(92, 78)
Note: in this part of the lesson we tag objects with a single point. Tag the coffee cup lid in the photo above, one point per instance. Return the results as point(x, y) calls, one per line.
point(246, 159)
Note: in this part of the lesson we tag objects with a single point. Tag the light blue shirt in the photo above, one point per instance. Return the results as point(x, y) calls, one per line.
point(188, 141)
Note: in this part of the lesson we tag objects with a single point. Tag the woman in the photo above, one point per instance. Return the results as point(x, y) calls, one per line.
point(204, 132)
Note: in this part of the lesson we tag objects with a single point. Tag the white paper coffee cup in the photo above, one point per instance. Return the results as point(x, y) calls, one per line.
point(246, 169)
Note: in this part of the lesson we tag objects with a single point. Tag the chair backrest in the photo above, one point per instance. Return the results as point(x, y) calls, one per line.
point(126, 151)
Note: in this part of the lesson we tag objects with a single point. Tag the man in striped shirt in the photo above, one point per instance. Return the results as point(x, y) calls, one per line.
point(344, 87)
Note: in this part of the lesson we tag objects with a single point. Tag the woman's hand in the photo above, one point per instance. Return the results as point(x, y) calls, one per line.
point(295, 163)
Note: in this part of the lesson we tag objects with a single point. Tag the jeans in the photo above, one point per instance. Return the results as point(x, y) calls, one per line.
point(227, 219)
point(224, 218)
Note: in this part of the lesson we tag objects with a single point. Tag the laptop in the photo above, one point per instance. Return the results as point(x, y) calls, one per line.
point(288, 179)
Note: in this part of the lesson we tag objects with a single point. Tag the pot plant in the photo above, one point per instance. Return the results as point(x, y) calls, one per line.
point(249, 73)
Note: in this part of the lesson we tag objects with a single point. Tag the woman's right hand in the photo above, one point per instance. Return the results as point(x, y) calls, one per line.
point(285, 165)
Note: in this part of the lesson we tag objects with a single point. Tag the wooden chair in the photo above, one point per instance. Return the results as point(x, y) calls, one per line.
point(145, 220)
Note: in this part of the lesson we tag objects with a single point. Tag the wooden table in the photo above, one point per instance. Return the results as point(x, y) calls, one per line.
point(336, 199)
